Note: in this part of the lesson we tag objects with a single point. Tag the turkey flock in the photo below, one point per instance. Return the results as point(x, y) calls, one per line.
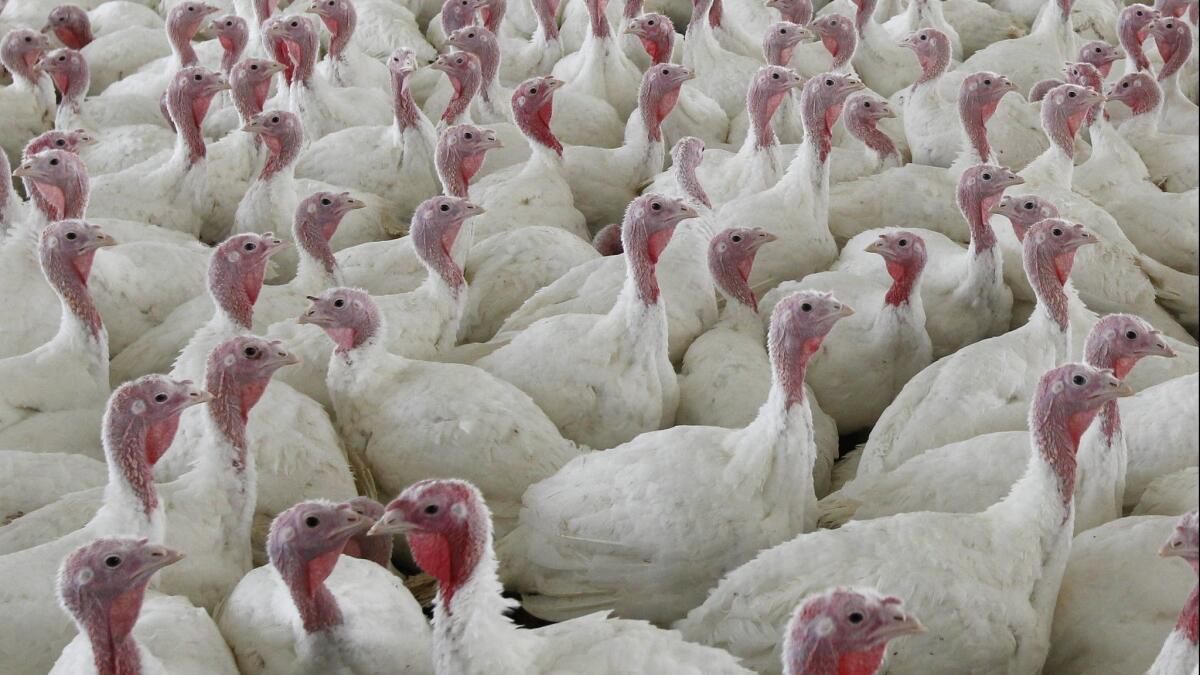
point(621, 337)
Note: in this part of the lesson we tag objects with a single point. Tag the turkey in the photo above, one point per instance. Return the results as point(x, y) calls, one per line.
point(590, 401)
point(1179, 651)
point(456, 419)
point(314, 609)
point(449, 530)
point(844, 625)
point(873, 150)
point(1173, 37)
point(116, 42)
point(1017, 548)
point(102, 586)
point(1034, 57)
point(183, 22)
point(1168, 157)
point(345, 63)
point(28, 103)
point(755, 479)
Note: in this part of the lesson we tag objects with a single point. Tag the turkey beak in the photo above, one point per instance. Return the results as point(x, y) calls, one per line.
point(1161, 348)
point(157, 557)
point(553, 83)
point(47, 28)
point(845, 311)
point(196, 396)
point(355, 204)
point(254, 126)
point(909, 41)
point(355, 524)
point(888, 113)
point(26, 170)
point(875, 247)
point(102, 240)
point(392, 523)
point(475, 209)
point(1176, 547)
point(688, 74)
point(313, 8)
point(281, 357)
point(904, 623)
point(275, 67)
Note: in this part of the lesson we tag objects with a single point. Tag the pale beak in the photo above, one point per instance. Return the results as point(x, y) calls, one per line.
point(102, 241)
point(553, 83)
point(25, 170)
point(845, 311)
point(355, 204)
point(874, 247)
point(254, 126)
point(391, 523)
point(161, 557)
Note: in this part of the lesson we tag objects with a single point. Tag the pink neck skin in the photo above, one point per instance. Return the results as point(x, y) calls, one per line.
point(1189, 618)
point(642, 250)
point(487, 49)
point(109, 627)
point(492, 14)
point(1097, 353)
point(305, 579)
point(134, 447)
point(1060, 127)
point(466, 81)
point(656, 99)
point(790, 348)
point(1043, 87)
point(819, 118)
point(20, 61)
point(284, 150)
point(456, 14)
point(1048, 274)
point(299, 52)
point(779, 47)
point(1131, 32)
point(976, 208)
point(597, 19)
point(863, 128)
point(352, 336)
point(65, 199)
point(1147, 99)
point(187, 112)
point(658, 39)
point(536, 126)
point(376, 549)
point(546, 12)
point(608, 240)
point(685, 176)
point(233, 291)
point(762, 103)
point(866, 9)
point(403, 105)
point(715, 13)
point(180, 32)
point(68, 276)
point(341, 23)
point(633, 9)
point(799, 12)
point(5, 187)
point(935, 60)
point(313, 238)
point(732, 276)
point(1056, 436)
point(433, 243)
point(1087, 75)
point(72, 81)
point(233, 42)
point(264, 9)
point(974, 115)
point(76, 31)
point(456, 168)
point(814, 655)
point(840, 45)
point(451, 558)
point(1103, 60)
point(249, 91)
point(904, 278)
point(1174, 46)
point(230, 407)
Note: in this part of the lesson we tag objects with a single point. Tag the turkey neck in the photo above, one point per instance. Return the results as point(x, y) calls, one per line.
point(808, 172)
point(80, 318)
point(305, 580)
point(1057, 163)
point(977, 209)
point(7, 214)
point(865, 14)
point(281, 162)
point(973, 119)
point(231, 53)
point(180, 35)
point(377, 549)
point(597, 19)
point(1174, 57)
point(814, 654)
point(543, 143)
point(933, 66)
point(1054, 21)
point(685, 176)
point(1130, 40)
point(58, 201)
point(904, 295)
point(1048, 274)
point(234, 297)
point(877, 141)
point(488, 51)
point(187, 112)
point(108, 625)
point(405, 109)
point(493, 14)
point(1105, 455)
point(306, 57)
point(433, 247)
point(131, 448)
point(547, 24)
point(228, 412)
point(466, 86)
point(317, 268)
point(77, 35)
point(341, 29)
point(456, 169)
point(761, 108)
point(74, 88)
point(643, 142)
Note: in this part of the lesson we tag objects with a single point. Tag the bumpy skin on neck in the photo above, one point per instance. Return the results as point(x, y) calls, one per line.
point(465, 75)
point(233, 33)
point(250, 82)
point(779, 42)
point(1048, 264)
point(1138, 91)
point(861, 116)
point(657, 35)
point(188, 97)
point(685, 158)
point(401, 65)
point(796, 11)
point(533, 107)
point(59, 184)
point(304, 544)
point(1174, 40)
point(1063, 112)
point(1132, 32)
point(481, 42)
point(799, 324)
point(19, 54)
point(932, 48)
point(763, 98)
point(71, 25)
point(67, 267)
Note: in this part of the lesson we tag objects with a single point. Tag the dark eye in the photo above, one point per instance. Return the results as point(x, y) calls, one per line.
point(191, 9)
point(112, 561)
point(1131, 335)
point(1070, 94)
point(228, 23)
point(650, 22)
point(987, 83)
point(444, 208)
point(806, 307)
point(325, 201)
point(828, 83)
point(62, 58)
point(774, 76)
point(71, 236)
point(312, 521)
point(295, 24)
point(470, 35)
point(832, 23)
point(855, 617)
point(1029, 205)
point(986, 176)
point(250, 352)
point(275, 120)
point(924, 37)
point(736, 238)
point(54, 162)
point(1139, 13)
point(160, 398)
point(198, 77)
point(60, 142)
point(28, 39)
point(468, 135)
point(1056, 232)
point(1079, 380)
point(866, 104)
point(532, 90)
point(902, 242)
point(783, 31)
point(254, 66)
point(1124, 85)
point(250, 246)
point(339, 303)
point(1098, 50)
point(459, 61)
point(667, 72)
point(656, 206)
point(431, 509)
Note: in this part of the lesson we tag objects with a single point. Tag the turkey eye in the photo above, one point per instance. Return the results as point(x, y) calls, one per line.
point(250, 246)
point(326, 201)
point(987, 83)
point(312, 521)
point(468, 135)
point(855, 617)
point(736, 238)
point(1124, 85)
point(1131, 335)
point(667, 72)
point(191, 9)
point(54, 162)
point(650, 22)
point(1139, 14)
point(1056, 232)
point(275, 120)
point(62, 58)
point(112, 561)
point(254, 67)
point(656, 206)
point(71, 236)
point(866, 104)
point(774, 76)
point(924, 37)
point(903, 242)
point(250, 352)
point(228, 23)
point(828, 83)
point(339, 303)
point(987, 176)
point(444, 208)
point(1079, 380)
point(294, 24)
point(470, 35)
point(532, 90)
point(1098, 50)
point(1029, 205)
point(199, 77)
point(60, 142)
point(431, 509)
point(160, 398)
point(783, 31)
point(806, 307)
point(28, 39)
point(832, 23)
